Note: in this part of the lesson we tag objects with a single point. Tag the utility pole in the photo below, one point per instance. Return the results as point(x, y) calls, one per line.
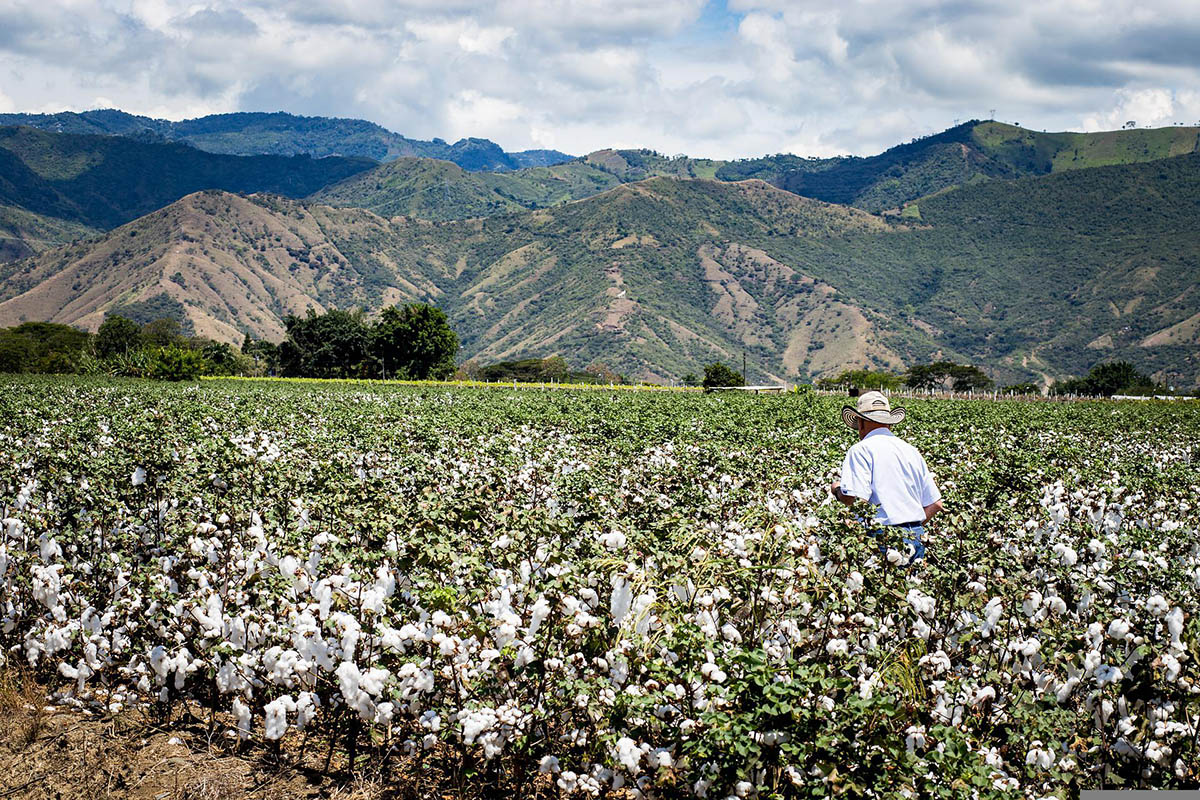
point(744, 367)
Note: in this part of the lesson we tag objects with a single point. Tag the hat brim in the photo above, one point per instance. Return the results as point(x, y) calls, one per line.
point(850, 416)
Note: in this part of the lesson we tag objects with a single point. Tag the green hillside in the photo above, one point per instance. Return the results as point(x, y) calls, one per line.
point(256, 133)
point(972, 152)
point(1037, 277)
point(439, 190)
point(76, 182)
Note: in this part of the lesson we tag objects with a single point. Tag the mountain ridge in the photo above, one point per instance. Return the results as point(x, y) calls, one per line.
point(283, 134)
point(659, 276)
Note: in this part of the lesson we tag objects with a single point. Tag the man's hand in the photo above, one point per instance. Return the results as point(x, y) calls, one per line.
point(836, 489)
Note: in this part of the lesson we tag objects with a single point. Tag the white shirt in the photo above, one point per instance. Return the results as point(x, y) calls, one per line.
point(889, 473)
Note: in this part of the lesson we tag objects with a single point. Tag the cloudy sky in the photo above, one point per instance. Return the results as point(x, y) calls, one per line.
point(726, 78)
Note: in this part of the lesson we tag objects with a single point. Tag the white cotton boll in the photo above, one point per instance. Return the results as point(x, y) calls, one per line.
point(629, 754)
point(855, 582)
point(622, 598)
point(1106, 674)
point(613, 540)
point(549, 765)
point(306, 709)
point(922, 603)
point(1157, 605)
point(914, 738)
point(1066, 554)
point(1056, 605)
point(138, 477)
point(837, 647)
point(1038, 757)
point(712, 672)
point(1032, 603)
point(244, 720)
point(981, 696)
point(730, 633)
point(275, 725)
point(1175, 624)
point(1118, 629)
point(743, 788)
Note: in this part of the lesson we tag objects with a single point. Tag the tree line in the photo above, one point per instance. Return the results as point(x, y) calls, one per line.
point(414, 342)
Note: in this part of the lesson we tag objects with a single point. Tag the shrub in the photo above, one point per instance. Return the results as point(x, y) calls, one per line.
point(719, 374)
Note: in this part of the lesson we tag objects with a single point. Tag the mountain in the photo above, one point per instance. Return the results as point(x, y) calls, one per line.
point(439, 190)
point(967, 154)
point(56, 187)
point(1036, 276)
point(973, 152)
point(256, 133)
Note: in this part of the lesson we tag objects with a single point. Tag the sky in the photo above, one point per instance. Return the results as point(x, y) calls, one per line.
point(722, 79)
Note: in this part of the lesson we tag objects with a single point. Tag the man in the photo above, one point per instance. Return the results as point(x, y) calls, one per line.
point(887, 472)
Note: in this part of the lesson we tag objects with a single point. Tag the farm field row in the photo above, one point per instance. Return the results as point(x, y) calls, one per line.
point(613, 594)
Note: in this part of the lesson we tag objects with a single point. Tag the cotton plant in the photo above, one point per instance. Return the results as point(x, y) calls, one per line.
point(638, 594)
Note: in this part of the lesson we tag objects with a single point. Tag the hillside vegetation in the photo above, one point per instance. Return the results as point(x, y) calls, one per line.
point(55, 187)
point(256, 133)
point(1033, 278)
point(967, 154)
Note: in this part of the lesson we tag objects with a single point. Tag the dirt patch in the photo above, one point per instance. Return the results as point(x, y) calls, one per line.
point(1184, 332)
point(50, 752)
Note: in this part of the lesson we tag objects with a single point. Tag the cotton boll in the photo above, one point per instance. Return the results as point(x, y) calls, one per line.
point(275, 724)
point(1118, 629)
point(138, 477)
point(629, 754)
point(1157, 605)
point(244, 720)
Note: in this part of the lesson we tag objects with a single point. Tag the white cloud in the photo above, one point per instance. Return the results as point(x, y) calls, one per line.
point(1146, 108)
point(767, 76)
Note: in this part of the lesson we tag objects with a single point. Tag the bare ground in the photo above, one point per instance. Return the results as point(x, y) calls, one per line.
point(52, 753)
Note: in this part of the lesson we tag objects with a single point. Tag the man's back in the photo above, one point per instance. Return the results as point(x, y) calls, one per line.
point(890, 473)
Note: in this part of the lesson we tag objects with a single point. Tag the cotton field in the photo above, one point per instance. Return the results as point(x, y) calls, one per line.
point(634, 595)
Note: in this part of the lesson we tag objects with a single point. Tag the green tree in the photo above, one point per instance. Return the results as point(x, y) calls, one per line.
point(162, 333)
point(416, 342)
point(176, 363)
point(967, 378)
point(331, 345)
point(691, 379)
point(720, 374)
point(117, 336)
point(16, 352)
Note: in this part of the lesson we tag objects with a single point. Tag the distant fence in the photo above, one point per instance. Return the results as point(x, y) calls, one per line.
point(993, 395)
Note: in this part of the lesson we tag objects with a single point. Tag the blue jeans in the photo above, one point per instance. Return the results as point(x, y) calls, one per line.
point(912, 536)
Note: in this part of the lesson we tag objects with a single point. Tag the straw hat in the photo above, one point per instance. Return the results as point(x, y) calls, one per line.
point(875, 407)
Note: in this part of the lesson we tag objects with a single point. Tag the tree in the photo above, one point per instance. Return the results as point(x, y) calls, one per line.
point(331, 345)
point(719, 374)
point(16, 352)
point(691, 379)
point(1107, 379)
point(416, 342)
point(176, 363)
point(162, 333)
point(117, 336)
point(1114, 377)
point(967, 378)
